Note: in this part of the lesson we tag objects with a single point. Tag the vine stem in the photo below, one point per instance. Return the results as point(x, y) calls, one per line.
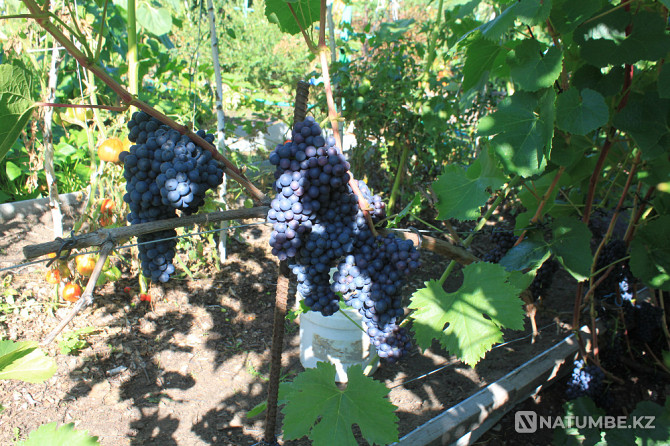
point(398, 176)
point(104, 107)
point(231, 169)
point(603, 242)
point(543, 202)
point(482, 221)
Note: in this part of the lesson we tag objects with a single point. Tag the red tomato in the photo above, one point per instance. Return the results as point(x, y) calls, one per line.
point(85, 264)
point(71, 292)
point(53, 276)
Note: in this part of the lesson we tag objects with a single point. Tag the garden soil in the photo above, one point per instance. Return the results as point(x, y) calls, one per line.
point(186, 368)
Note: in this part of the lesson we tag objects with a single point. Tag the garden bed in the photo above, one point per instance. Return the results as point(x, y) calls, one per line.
point(187, 368)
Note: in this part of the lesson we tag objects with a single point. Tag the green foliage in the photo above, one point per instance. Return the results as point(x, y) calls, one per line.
point(522, 129)
point(474, 314)
point(461, 192)
point(53, 435)
point(279, 12)
point(314, 406)
point(24, 361)
point(635, 432)
point(571, 245)
point(650, 254)
point(17, 95)
point(74, 341)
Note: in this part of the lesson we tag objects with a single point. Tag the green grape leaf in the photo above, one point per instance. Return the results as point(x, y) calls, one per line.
point(569, 434)
point(24, 361)
point(531, 196)
point(582, 113)
point(530, 253)
point(528, 12)
point(157, 21)
point(645, 118)
point(316, 407)
point(663, 82)
point(523, 128)
point(572, 246)
point(531, 68)
point(644, 412)
point(65, 435)
point(650, 253)
point(12, 170)
point(533, 12)
point(604, 41)
point(588, 76)
point(16, 103)
point(278, 12)
point(474, 314)
point(461, 192)
point(567, 15)
point(480, 58)
point(494, 29)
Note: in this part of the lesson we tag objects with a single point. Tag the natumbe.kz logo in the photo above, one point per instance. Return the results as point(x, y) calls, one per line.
point(528, 422)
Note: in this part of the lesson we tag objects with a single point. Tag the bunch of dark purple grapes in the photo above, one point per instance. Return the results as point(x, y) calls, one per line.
point(503, 241)
point(317, 222)
point(165, 172)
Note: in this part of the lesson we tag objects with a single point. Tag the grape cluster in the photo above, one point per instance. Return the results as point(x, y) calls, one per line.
point(371, 281)
point(586, 380)
point(503, 241)
point(165, 172)
point(644, 321)
point(543, 278)
point(619, 280)
point(317, 222)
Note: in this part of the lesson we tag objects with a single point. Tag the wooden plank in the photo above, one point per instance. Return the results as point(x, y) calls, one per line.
point(465, 422)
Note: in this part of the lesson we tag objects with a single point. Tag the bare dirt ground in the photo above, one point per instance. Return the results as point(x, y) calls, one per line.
point(187, 368)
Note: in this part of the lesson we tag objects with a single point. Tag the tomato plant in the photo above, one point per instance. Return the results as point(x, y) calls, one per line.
point(107, 206)
point(85, 264)
point(53, 276)
point(71, 292)
point(110, 149)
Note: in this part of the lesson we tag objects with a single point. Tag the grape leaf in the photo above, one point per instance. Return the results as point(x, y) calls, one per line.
point(278, 12)
point(461, 192)
point(650, 253)
point(567, 15)
point(474, 314)
point(24, 361)
point(581, 113)
point(16, 103)
point(523, 128)
point(645, 118)
point(533, 69)
point(572, 246)
point(569, 434)
point(316, 407)
point(529, 12)
point(479, 60)
point(604, 41)
point(65, 435)
point(157, 21)
point(530, 253)
point(663, 82)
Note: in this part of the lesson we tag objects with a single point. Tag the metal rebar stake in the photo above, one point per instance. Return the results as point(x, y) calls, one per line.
point(281, 298)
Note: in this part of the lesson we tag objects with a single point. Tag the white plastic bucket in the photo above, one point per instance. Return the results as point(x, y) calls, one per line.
point(337, 340)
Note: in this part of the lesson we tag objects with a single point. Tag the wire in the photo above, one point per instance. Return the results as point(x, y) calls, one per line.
point(452, 364)
point(191, 234)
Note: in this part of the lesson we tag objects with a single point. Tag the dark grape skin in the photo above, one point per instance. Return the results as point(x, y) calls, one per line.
point(316, 222)
point(158, 185)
